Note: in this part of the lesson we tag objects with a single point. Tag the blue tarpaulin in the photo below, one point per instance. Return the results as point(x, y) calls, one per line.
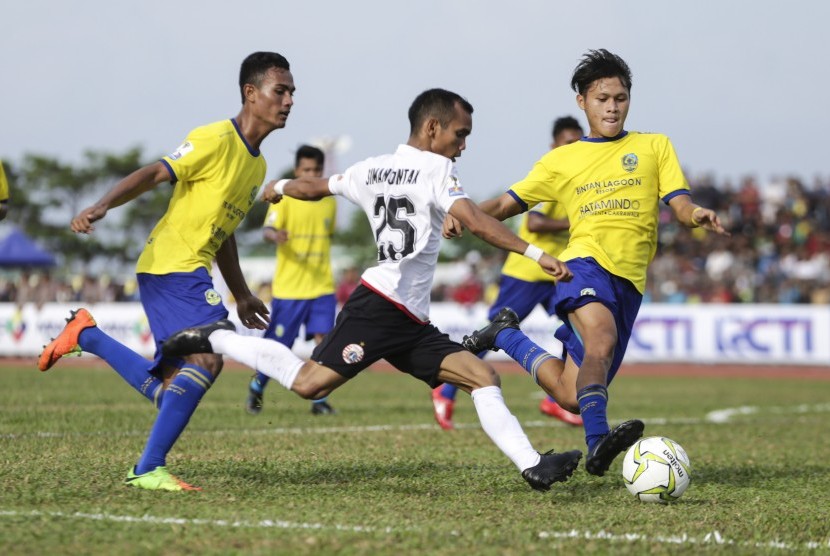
point(19, 250)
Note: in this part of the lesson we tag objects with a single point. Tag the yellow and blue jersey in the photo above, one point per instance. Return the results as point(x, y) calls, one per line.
point(520, 267)
point(217, 176)
point(304, 260)
point(611, 190)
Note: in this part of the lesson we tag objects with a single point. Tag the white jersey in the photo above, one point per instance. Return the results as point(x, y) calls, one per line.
point(406, 196)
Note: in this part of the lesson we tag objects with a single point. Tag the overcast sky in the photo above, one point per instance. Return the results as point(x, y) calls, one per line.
point(739, 86)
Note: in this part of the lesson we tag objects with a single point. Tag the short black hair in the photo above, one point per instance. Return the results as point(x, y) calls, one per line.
point(563, 123)
point(599, 64)
point(307, 151)
point(436, 103)
point(256, 65)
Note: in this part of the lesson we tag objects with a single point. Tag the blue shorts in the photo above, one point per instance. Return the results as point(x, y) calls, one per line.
point(592, 283)
point(288, 314)
point(178, 300)
point(522, 297)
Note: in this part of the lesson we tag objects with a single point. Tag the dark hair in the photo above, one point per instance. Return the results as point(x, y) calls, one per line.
point(256, 65)
point(435, 103)
point(563, 123)
point(598, 64)
point(307, 151)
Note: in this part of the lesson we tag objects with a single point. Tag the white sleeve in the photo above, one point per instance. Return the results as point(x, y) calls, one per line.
point(449, 190)
point(343, 184)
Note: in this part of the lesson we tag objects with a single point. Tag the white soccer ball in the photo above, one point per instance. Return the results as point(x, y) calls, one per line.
point(656, 469)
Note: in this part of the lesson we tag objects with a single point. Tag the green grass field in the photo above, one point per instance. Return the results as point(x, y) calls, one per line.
point(381, 478)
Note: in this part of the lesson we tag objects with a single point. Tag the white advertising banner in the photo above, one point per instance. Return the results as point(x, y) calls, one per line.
point(751, 334)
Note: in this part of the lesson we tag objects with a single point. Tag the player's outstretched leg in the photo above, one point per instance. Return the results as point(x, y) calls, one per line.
point(443, 407)
point(552, 468)
point(549, 407)
point(603, 452)
point(66, 343)
point(194, 340)
point(485, 339)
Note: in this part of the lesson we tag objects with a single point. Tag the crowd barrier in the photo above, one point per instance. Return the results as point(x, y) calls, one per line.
point(706, 333)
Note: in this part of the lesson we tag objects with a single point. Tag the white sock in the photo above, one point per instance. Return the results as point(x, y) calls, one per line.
point(261, 354)
point(503, 428)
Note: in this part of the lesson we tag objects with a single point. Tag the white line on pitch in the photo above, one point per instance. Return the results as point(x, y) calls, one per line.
point(712, 538)
point(153, 520)
point(709, 539)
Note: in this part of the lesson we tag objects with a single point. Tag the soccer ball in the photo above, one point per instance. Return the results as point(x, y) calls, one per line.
point(656, 469)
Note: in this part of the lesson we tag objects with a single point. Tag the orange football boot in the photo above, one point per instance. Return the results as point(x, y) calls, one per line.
point(67, 341)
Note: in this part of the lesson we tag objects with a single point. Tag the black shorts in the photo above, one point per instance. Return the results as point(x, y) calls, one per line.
point(370, 327)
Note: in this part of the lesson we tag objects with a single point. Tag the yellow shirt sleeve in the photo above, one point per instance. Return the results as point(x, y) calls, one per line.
point(4, 184)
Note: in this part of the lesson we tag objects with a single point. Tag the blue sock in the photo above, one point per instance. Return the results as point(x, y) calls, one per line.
point(321, 400)
point(178, 404)
point(593, 405)
point(522, 349)
point(259, 382)
point(131, 366)
point(449, 391)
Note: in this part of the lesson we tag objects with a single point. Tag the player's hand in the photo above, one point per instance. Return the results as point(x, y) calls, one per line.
point(708, 220)
point(281, 237)
point(252, 312)
point(452, 227)
point(82, 223)
point(269, 195)
point(555, 268)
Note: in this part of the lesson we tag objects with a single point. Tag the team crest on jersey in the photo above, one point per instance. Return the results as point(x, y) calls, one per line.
point(212, 297)
point(629, 162)
point(455, 188)
point(183, 149)
point(588, 291)
point(353, 353)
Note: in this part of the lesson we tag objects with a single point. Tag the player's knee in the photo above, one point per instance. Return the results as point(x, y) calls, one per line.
point(308, 386)
point(209, 361)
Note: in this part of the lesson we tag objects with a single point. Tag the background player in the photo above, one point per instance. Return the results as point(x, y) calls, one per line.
point(405, 195)
point(610, 182)
point(522, 284)
point(4, 192)
point(217, 173)
point(303, 286)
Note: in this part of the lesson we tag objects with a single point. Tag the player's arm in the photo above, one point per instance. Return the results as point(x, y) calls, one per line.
point(693, 216)
point(252, 311)
point(305, 189)
point(497, 234)
point(500, 208)
point(538, 223)
point(140, 181)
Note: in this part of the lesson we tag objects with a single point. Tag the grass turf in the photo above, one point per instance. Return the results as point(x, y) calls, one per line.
point(381, 478)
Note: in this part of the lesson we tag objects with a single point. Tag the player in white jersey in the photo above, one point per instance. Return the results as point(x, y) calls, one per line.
point(405, 196)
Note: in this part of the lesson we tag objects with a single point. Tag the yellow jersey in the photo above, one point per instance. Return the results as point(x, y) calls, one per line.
point(216, 177)
point(520, 267)
point(611, 190)
point(304, 260)
point(4, 184)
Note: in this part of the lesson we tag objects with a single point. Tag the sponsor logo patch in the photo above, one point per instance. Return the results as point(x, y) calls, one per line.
point(353, 353)
point(588, 291)
point(183, 149)
point(630, 162)
point(212, 297)
point(455, 188)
